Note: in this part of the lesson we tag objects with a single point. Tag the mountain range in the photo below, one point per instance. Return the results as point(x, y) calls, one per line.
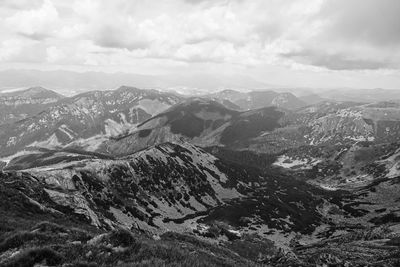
point(69, 82)
point(135, 177)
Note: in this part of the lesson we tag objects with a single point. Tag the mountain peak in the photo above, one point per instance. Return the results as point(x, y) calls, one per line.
point(37, 89)
point(34, 92)
point(128, 88)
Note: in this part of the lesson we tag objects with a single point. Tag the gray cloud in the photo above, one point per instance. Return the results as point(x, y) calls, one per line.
point(195, 2)
point(35, 36)
point(354, 35)
point(255, 36)
point(369, 21)
point(336, 61)
point(113, 37)
point(21, 4)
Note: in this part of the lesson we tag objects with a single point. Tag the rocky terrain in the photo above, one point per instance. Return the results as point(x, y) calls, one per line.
point(287, 214)
point(143, 178)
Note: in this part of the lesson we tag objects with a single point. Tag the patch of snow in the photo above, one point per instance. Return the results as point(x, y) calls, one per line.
point(289, 163)
point(64, 128)
point(328, 187)
point(51, 142)
point(89, 144)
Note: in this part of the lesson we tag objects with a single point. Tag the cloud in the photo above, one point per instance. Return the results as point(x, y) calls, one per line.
point(54, 54)
point(21, 4)
point(37, 36)
point(113, 36)
point(34, 23)
point(10, 48)
point(249, 35)
point(368, 21)
point(337, 61)
point(352, 35)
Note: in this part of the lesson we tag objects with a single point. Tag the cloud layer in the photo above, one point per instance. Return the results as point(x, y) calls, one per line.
point(311, 35)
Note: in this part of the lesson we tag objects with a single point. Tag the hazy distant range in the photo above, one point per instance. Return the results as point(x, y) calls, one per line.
point(70, 83)
point(63, 81)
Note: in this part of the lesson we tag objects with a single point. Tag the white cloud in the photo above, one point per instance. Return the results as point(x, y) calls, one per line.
point(54, 54)
point(35, 23)
point(10, 48)
point(307, 35)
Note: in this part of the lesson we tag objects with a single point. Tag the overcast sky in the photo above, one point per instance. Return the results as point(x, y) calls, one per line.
point(318, 43)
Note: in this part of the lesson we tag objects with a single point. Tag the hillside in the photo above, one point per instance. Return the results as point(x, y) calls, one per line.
point(257, 99)
point(199, 121)
point(18, 105)
point(95, 115)
point(214, 207)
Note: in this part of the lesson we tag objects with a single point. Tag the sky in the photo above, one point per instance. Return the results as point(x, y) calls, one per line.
point(303, 43)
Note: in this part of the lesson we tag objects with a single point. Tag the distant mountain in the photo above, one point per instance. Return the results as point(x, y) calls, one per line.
point(199, 121)
point(311, 99)
point(208, 123)
point(258, 99)
point(18, 105)
point(33, 93)
point(69, 82)
point(379, 121)
point(330, 123)
point(96, 114)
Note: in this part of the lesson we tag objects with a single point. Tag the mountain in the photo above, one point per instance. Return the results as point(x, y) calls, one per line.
point(162, 185)
point(331, 123)
point(311, 99)
point(95, 115)
point(69, 82)
point(378, 121)
point(142, 177)
point(258, 99)
point(18, 105)
point(168, 187)
point(199, 121)
point(208, 123)
point(206, 201)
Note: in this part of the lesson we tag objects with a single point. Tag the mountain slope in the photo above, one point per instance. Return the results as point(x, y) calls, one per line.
point(169, 185)
point(258, 99)
point(182, 188)
point(331, 123)
point(96, 114)
point(199, 121)
point(18, 105)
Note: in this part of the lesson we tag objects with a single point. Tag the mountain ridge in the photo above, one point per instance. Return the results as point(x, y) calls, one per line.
point(21, 104)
